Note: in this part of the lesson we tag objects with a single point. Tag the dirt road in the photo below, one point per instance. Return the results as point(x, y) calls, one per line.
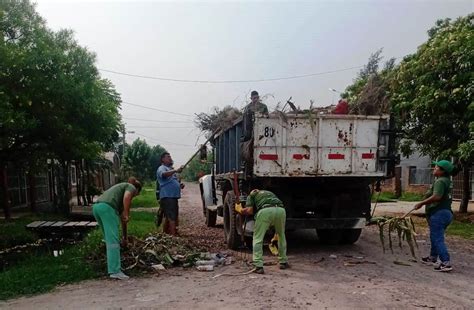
point(315, 280)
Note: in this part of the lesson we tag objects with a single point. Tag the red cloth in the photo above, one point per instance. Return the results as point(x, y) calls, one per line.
point(342, 107)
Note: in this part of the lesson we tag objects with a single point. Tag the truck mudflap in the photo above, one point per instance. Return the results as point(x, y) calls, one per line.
point(326, 223)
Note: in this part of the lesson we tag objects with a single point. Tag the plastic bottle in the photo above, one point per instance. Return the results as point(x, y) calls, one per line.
point(205, 263)
point(205, 268)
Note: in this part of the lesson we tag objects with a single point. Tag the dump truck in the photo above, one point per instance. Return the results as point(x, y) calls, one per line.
point(321, 166)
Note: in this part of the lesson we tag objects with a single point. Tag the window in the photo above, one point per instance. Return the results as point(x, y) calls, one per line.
point(420, 176)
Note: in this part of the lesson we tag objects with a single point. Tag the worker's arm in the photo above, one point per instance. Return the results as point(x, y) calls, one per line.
point(439, 189)
point(127, 201)
point(247, 211)
point(433, 198)
point(167, 174)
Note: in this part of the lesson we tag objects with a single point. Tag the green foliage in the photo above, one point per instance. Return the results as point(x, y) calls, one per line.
point(136, 158)
point(391, 197)
point(142, 161)
point(461, 229)
point(43, 272)
point(147, 197)
point(39, 274)
point(432, 92)
point(407, 196)
point(197, 168)
point(154, 160)
point(384, 197)
point(53, 102)
point(141, 224)
point(13, 232)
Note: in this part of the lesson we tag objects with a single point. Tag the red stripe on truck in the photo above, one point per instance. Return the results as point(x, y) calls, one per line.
point(336, 156)
point(368, 155)
point(300, 156)
point(268, 156)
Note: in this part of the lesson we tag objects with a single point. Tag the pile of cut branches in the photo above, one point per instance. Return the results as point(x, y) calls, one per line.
point(159, 249)
point(403, 227)
point(156, 249)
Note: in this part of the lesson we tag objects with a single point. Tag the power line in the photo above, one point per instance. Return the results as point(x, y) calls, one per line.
point(162, 141)
point(155, 109)
point(164, 127)
point(155, 121)
point(230, 81)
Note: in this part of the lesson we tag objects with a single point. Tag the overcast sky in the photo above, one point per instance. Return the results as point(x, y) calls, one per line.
point(238, 40)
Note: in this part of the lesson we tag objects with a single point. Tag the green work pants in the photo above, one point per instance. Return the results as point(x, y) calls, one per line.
point(266, 218)
point(108, 220)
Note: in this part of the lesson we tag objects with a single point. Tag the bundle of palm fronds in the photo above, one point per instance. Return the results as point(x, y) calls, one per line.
point(403, 227)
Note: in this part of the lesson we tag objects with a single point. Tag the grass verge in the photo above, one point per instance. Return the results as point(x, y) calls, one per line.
point(147, 198)
point(43, 272)
point(391, 197)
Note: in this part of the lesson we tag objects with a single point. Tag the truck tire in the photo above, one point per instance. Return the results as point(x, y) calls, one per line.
point(329, 236)
point(211, 217)
point(350, 236)
point(231, 236)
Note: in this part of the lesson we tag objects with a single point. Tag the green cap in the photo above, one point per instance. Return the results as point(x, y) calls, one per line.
point(446, 165)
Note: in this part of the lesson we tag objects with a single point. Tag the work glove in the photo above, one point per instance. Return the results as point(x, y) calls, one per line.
point(238, 208)
point(273, 246)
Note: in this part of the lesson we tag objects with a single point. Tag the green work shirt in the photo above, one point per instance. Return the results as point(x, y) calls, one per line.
point(114, 195)
point(441, 187)
point(257, 200)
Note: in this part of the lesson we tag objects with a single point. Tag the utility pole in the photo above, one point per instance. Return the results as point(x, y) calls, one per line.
point(123, 143)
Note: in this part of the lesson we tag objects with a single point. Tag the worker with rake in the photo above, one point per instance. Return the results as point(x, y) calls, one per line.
point(439, 214)
point(113, 203)
point(268, 212)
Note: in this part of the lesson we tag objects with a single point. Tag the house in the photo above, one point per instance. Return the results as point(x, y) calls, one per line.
point(414, 174)
point(41, 190)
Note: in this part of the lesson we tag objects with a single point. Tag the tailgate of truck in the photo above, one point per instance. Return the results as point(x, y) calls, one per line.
point(324, 145)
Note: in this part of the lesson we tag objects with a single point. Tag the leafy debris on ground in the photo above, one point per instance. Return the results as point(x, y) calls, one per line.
point(404, 227)
point(158, 251)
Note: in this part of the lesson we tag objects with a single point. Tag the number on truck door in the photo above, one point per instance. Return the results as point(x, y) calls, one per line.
point(269, 132)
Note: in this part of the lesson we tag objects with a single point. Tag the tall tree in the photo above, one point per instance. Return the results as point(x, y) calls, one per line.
point(154, 161)
point(53, 103)
point(433, 92)
point(136, 159)
point(197, 168)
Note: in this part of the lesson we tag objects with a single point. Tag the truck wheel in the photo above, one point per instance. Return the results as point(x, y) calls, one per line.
point(350, 236)
point(232, 238)
point(329, 236)
point(211, 217)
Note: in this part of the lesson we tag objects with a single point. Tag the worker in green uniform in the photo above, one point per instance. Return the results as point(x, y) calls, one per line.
point(113, 203)
point(268, 212)
point(439, 214)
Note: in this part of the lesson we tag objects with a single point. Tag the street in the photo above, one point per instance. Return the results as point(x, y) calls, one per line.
point(343, 277)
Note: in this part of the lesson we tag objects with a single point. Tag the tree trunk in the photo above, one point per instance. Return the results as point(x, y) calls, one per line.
point(466, 190)
point(4, 187)
point(64, 193)
point(32, 191)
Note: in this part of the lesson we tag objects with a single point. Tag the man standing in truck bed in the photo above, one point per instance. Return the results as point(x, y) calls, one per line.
point(246, 148)
point(268, 212)
point(255, 106)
